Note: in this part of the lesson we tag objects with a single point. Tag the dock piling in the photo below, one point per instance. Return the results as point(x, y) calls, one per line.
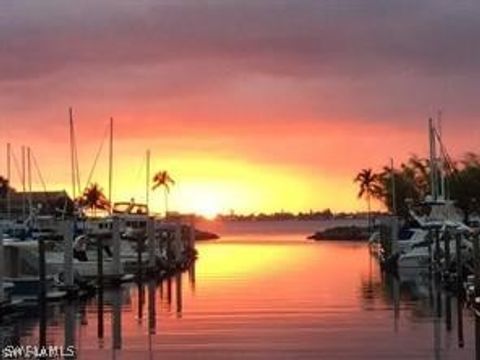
point(70, 323)
point(476, 267)
point(139, 258)
point(2, 262)
point(100, 320)
point(459, 262)
point(117, 265)
point(437, 251)
point(68, 234)
point(117, 321)
point(461, 339)
point(42, 293)
point(42, 273)
point(151, 308)
point(448, 312)
point(448, 258)
point(394, 234)
point(151, 242)
point(178, 294)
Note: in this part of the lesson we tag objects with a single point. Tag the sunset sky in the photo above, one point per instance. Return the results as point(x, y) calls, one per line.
point(250, 105)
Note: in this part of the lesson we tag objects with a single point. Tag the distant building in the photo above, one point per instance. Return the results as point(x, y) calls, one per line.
point(53, 203)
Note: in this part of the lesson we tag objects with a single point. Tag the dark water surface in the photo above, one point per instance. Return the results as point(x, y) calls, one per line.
point(270, 296)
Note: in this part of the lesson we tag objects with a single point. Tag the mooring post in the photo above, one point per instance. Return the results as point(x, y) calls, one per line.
point(117, 321)
point(192, 276)
point(141, 300)
point(151, 308)
point(42, 293)
point(100, 322)
point(477, 337)
point(42, 324)
point(139, 257)
point(448, 312)
point(461, 340)
point(151, 243)
point(446, 241)
point(394, 235)
point(459, 263)
point(437, 250)
point(70, 322)
point(117, 265)
point(476, 261)
point(178, 295)
point(2, 268)
point(430, 251)
point(169, 290)
point(68, 234)
point(42, 274)
point(459, 278)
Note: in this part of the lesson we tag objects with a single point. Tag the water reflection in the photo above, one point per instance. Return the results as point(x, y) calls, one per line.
point(141, 300)
point(270, 300)
point(191, 277)
point(152, 319)
point(117, 320)
point(178, 287)
point(69, 324)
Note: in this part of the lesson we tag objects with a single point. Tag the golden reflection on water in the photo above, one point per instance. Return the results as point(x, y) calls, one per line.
point(263, 299)
point(296, 271)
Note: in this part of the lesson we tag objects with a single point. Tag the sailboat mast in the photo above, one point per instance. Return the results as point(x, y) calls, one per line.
point(72, 153)
point(147, 184)
point(433, 159)
point(442, 157)
point(24, 190)
point(29, 178)
point(9, 178)
point(110, 166)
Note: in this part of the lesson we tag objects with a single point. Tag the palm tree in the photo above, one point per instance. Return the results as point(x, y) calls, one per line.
point(418, 169)
point(367, 180)
point(163, 178)
point(94, 199)
point(4, 187)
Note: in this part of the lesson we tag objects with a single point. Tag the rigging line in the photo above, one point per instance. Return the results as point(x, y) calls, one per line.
point(76, 163)
point(17, 165)
point(75, 159)
point(444, 152)
point(97, 156)
point(39, 173)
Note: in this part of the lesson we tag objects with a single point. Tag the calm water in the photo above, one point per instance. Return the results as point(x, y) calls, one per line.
point(265, 296)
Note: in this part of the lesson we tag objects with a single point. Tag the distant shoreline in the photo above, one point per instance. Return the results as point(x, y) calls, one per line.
point(292, 217)
point(342, 233)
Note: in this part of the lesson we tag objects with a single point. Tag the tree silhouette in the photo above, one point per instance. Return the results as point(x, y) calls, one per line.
point(4, 187)
point(368, 182)
point(163, 179)
point(465, 185)
point(94, 199)
point(412, 183)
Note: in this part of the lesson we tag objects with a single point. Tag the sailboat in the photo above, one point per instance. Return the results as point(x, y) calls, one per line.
point(442, 216)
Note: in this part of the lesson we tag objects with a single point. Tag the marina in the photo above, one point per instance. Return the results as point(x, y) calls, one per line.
point(251, 180)
point(287, 305)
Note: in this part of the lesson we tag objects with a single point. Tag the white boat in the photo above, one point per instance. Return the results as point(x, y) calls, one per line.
point(409, 237)
point(21, 270)
point(418, 255)
point(85, 269)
